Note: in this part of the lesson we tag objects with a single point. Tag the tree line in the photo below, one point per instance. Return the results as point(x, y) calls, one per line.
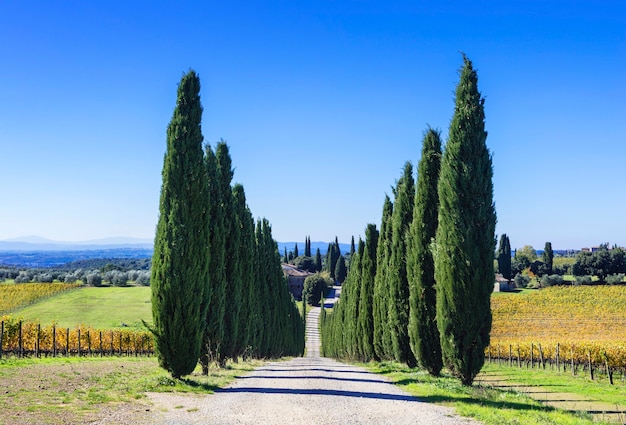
point(218, 290)
point(607, 264)
point(418, 290)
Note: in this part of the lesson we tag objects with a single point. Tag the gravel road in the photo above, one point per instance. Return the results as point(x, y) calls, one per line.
point(307, 390)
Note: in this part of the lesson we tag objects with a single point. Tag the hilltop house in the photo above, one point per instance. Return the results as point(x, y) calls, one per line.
point(295, 279)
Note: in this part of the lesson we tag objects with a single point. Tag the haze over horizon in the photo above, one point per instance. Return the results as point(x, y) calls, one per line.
point(321, 104)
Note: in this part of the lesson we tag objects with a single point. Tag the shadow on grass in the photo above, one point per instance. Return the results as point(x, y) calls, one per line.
point(472, 400)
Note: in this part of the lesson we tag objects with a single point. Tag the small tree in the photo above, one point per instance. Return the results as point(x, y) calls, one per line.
point(341, 271)
point(504, 257)
point(314, 287)
point(547, 257)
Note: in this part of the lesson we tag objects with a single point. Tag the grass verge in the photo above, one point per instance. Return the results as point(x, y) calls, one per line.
point(72, 391)
point(491, 406)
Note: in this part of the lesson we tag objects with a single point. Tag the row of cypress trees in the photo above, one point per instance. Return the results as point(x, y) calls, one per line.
point(419, 290)
point(218, 290)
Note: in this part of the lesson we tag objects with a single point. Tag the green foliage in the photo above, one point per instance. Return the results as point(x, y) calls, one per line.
point(365, 319)
point(332, 256)
point(465, 236)
point(341, 270)
point(423, 332)
point(305, 263)
point(551, 280)
point(382, 336)
point(214, 320)
point(397, 278)
point(180, 295)
point(318, 261)
point(504, 256)
point(521, 280)
point(315, 286)
point(547, 258)
point(601, 263)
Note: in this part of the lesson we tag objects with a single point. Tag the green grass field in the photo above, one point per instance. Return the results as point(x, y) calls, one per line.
point(101, 308)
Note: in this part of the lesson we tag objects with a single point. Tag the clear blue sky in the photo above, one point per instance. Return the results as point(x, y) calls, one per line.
point(321, 102)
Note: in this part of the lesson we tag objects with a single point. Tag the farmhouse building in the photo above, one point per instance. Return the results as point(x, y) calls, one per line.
point(295, 279)
point(501, 284)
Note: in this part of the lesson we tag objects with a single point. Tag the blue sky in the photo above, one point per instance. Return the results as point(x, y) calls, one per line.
point(321, 102)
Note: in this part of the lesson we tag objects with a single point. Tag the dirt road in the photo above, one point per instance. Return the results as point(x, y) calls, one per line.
point(308, 390)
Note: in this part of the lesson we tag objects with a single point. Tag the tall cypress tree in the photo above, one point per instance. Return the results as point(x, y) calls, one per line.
point(423, 331)
point(548, 257)
point(307, 246)
point(382, 341)
point(397, 277)
point(504, 256)
point(245, 224)
point(365, 325)
point(318, 260)
point(217, 265)
point(465, 236)
point(231, 247)
point(180, 262)
point(341, 271)
point(296, 254)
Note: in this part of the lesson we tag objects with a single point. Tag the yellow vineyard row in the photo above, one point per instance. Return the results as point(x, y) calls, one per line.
point(580, 323)
point(14, 296)
point(30, 337)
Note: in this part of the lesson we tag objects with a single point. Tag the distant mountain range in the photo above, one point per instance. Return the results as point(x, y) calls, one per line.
point(34, 251)
point(36, 243)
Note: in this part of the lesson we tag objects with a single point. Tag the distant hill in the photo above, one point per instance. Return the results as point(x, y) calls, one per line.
point(37, 252)
point(36, 243)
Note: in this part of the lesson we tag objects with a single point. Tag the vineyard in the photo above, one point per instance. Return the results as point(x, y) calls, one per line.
point(580, 327)
point(31, 339)
point(15, 296)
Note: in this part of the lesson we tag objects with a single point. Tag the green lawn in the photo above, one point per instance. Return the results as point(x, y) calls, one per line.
point(101, 308)
point(491, 406)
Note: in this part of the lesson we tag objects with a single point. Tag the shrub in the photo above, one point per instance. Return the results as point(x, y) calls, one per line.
point(93, 279)
point(314, 287)
point(551, 280)
point(143, 278)
point(582, 280)
point(43, 278)
point(23, 277)
point(521, 280)
point(70, 278)
point(615, 279)
point(116, 277)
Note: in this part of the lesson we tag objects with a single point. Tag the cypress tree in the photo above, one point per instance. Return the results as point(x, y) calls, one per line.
point(352, 247)
point(423, 331)
point(245, 223)
point(180, 262)
point(365, 326)
point(382, 340)
point(307, 246)
point(351, 346)
point(504, 256)
point(465, 236)
point(217, 265)
point(318, 260)
point(397, 278)
point(341, 270)
point(233, 290)
point(548, 257)
point(296, 254)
